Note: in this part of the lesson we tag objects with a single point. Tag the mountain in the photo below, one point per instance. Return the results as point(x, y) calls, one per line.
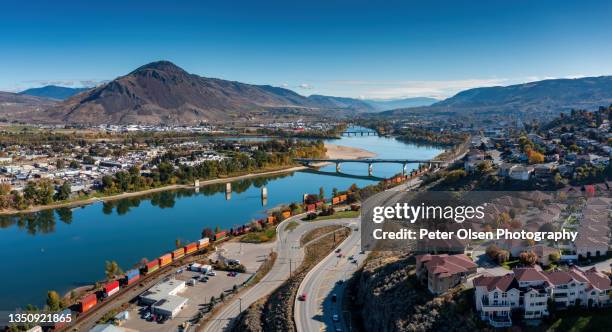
point(14, 104)
point(53, 92)
point(383, 105)
point(555, 94)
point(342, 103)
point(533, 98)
point(161, 92)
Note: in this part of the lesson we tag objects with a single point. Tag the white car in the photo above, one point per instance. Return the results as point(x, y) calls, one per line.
point(335, 318)
point(212, 273)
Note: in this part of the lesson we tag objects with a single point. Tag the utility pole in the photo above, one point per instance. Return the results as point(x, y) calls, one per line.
point(289, 267)
point(239, 304)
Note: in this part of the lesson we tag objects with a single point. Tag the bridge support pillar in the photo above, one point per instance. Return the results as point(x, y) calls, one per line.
point(338, 167)
point(370, 169)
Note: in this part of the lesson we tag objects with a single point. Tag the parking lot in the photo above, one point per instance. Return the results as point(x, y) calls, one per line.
point(199, 295)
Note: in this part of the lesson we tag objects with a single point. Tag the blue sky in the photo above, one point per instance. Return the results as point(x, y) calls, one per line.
point(382, 49)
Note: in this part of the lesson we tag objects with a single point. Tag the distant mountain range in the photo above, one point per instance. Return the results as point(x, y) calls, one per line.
point(384, 105)
point(14, 105)
point(53, 92)
point(554, 95)
point(161, 92)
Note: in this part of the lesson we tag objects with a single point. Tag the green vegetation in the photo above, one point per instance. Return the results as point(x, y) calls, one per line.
point(577, 320)
point(264, 235)
point(54, 301)
point(112, 269)
point(338, 215)
point(165, 170)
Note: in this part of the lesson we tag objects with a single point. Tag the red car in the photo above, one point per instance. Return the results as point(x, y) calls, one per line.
point(302, 297)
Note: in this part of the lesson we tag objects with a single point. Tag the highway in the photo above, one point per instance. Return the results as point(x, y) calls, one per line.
point(324, 280)
point(290, 255)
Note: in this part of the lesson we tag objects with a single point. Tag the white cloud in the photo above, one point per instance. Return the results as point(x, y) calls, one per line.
point(305, 86)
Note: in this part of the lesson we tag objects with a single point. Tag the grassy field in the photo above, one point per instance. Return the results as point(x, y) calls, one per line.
point(578, 320)
point(265, 235)
point(339, 215)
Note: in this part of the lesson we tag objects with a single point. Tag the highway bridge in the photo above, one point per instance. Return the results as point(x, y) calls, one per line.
point(370, 162)
point(357, 133)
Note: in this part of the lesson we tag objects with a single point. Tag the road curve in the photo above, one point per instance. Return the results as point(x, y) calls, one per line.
point(319, 285)
point(290, 255)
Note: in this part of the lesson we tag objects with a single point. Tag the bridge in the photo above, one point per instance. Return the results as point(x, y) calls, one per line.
point(370, 162)
point(357, 133)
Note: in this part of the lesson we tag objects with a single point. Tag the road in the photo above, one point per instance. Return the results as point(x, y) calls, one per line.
point(319, 285)
point(290, 255)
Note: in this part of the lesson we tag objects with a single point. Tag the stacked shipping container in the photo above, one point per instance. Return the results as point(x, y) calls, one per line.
point(151, 266)
point(88, 302)
point(131, 276)
point(178, 253)
point(111, 288)
point(165, 260)
point(191, 248)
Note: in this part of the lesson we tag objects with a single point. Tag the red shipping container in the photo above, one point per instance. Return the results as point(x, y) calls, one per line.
point(319, 204)
point(311, 207)
point(219, 235)
point(88, 302)
point(111, 288)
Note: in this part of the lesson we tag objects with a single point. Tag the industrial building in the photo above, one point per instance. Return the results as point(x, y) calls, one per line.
point(167, 291)
point(169, 306)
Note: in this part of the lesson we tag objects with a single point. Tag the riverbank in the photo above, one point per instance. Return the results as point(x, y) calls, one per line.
point(333, 152)
point(346, 152)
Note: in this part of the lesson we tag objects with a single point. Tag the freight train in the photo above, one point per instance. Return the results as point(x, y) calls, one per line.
point(111, 288)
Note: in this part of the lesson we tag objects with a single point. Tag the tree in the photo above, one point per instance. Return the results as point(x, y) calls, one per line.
point(554, 257)
point(208, 232)
point(321, 193)
point(54, 301)
point(222, 296)
point(30, 191)
point(492, 251)
point(112, 269)
point(75, 164)
point(528, 258)
point(535, 157)
point(334, 192)
point(107, 182)
point(45, 192)
point(60, 163)
point(503, 256)
point(64, 191)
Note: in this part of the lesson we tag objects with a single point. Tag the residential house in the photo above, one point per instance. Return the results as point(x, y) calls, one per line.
point(442, 272)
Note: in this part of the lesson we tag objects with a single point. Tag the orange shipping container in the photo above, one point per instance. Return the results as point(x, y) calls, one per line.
point(335, 200)
point(165, 260)
point(178, 253)
point(191, 248)
point(343, 198)
point(271, 219)
point(286, 214)
point(88, 302)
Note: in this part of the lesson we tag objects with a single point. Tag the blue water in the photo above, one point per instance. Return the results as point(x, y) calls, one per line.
point(63, 249)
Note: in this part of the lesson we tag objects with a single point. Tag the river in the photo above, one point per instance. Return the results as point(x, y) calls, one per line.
point(66, 248)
